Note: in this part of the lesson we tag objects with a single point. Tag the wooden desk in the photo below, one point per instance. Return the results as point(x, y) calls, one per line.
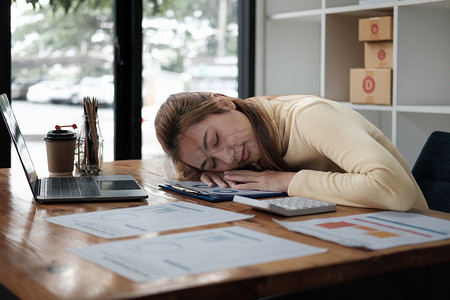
point(35, 265)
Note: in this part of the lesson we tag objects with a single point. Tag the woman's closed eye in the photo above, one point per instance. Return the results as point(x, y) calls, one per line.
point(216, 143)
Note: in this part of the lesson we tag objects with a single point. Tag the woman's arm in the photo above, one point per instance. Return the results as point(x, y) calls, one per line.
point(276, 181)
point(374, 171)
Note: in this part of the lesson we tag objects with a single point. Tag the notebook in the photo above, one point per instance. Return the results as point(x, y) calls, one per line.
point(200, 190)
point(68, 189)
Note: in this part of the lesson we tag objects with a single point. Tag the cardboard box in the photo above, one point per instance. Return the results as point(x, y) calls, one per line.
point(371, 86)
point(375, 29)
point(378, 54)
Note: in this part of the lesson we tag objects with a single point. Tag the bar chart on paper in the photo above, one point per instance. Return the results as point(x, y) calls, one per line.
point(376, 230)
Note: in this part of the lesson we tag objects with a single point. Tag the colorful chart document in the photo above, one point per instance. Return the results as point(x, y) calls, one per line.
point(132, 221)
point(192, 252)
point(375, 230)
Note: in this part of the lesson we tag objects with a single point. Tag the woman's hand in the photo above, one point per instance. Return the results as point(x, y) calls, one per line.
point(250, 180)
point(213, 178)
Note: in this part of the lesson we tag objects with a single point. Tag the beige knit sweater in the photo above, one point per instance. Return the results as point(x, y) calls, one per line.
point(340, 156)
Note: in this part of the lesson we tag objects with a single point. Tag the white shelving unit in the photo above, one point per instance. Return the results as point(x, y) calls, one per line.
point(309, 46)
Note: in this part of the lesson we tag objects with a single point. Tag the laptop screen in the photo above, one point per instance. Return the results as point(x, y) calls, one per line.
point(18, 140)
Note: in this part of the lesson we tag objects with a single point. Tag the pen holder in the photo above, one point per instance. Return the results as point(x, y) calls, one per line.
point(89, 150)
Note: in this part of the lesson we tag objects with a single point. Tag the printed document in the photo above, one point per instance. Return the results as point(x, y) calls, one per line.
point(125, 222)
point(375, 230)
point(192, 252)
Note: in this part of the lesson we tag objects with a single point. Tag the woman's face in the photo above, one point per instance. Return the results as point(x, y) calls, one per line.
point(220, 142)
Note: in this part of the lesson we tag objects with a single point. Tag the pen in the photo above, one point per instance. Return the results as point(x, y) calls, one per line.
point(188, 190)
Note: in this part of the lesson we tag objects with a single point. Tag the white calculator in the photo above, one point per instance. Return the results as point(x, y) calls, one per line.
point(288, 206)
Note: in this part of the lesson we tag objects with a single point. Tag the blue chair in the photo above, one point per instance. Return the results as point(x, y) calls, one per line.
point(432, 171)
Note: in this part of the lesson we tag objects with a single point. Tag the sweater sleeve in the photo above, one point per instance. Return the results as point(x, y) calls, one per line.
point(373, 176)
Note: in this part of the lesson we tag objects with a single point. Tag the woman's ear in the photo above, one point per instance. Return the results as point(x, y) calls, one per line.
point(223, 101)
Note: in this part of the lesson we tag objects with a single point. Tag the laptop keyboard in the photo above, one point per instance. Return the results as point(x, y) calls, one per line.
point(69, 187)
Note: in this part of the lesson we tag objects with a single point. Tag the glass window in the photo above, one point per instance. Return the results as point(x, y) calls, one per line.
point(188, 45)
point(58, 58)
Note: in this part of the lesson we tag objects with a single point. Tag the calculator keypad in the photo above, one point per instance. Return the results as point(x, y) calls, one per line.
point(297, 202)
point(288, 206)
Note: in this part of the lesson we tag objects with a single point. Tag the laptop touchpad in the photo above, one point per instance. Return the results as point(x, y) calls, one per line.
point(111, 185)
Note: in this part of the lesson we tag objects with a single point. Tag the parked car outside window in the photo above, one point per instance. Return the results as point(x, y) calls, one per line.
point(51, 92)
point(101, 88)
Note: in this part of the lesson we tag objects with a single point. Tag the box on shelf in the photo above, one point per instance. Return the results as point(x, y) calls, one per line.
point(378, 55)
point(371, 86)
point(375, 29)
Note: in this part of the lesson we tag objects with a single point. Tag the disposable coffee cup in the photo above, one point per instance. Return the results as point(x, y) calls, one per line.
point(60, 146)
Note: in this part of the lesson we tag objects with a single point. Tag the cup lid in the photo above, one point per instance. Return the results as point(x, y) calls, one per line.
point(58, 135)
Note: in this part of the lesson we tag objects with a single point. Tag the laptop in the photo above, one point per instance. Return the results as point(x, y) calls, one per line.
point(68, 189)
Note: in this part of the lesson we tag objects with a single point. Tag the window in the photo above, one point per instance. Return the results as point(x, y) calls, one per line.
point(57, 59)
point(189, 46)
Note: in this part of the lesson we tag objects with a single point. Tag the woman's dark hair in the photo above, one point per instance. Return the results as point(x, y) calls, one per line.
point(181, 111)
